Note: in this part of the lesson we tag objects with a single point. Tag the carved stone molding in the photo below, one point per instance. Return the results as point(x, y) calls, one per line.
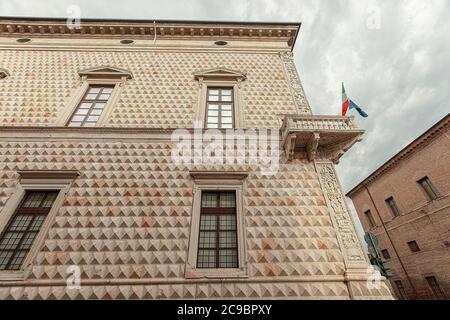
point(149, 29)
point(340, 215)
point(294, 83)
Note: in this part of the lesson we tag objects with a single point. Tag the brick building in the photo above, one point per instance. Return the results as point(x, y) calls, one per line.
point(95, 206)
point(406, 204)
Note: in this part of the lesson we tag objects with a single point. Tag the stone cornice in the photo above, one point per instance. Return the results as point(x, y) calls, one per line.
point(148, 29)
point(439, 128)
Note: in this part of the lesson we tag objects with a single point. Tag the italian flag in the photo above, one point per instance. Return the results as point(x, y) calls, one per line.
point(349, 104)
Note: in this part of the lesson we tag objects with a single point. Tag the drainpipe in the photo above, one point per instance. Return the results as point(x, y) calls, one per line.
point(392, 242)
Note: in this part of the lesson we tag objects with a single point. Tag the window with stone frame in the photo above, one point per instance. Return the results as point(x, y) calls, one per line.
point(390, 202)
point(400, 289)
point(369, 218)
point(219, 108)
point(17, 238)
point(413, 246)
point(218, 243)
point(435, 287)
point(429, 188)
point(91, 106)
point(385, 254)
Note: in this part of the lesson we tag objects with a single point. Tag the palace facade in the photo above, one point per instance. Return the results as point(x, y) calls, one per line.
point(97, 203)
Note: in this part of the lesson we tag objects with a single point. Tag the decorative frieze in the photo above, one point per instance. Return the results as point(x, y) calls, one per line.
point(340, 214)
point(295, 84)
point(148, 28)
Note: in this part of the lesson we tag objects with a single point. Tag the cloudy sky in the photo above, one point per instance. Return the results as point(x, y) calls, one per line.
point(394, 57)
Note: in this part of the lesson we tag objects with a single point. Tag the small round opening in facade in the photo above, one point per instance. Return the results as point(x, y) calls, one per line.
point(220, 43)
point(23, 40)
point(126, 41)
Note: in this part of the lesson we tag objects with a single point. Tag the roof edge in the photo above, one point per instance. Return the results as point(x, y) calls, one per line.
point(168, 29)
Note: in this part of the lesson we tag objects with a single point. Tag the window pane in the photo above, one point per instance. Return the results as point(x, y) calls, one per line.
point(226, 107)
point(99, 105)
point(206, 259)
point(107, 90)
point(27, 240)
point(5, 256)
point(78, 118)
point(94, 89)
point(213, 119)
point(214, 113)
point(21, 222)
point(82, 112)
point(208, 222)
point(213, 92)
point(96, 112)
point(10, 240)
point(227, 126)
point(227, 200)
point(227, 120)
point(104, 96)
point(227, 222)
point(226, 98)
point(226, 92)
point(227, 113)
point(74, 124)
point(86, 105)
point(33, 199)
point(37, 223)
point(209, 200)
point(91, 96)
point(92, 118)
point(227, 239)
point(17, 261)
point(49, 199)
point(207, 240)
point(213, 107)
point(212, 126)
point(213, 98)
point(228, 259)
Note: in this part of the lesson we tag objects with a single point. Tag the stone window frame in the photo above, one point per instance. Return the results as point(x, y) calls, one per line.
point(221, 78)
point(97, 76)
point(217, 181)
point(35, 180)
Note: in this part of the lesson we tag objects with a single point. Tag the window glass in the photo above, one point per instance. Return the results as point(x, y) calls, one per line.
point(91, 106)
point(23, 228)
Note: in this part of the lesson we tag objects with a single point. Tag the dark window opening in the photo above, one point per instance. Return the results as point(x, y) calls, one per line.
point(385, 254)
point(429, 188)
point(413, 246)
point(393, 206)
point(370, 218)
point(23, 228)
point(217, 245)
point(401, 289)
point(435, 287)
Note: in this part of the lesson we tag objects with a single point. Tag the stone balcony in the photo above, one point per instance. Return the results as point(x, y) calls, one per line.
point(324, 137)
